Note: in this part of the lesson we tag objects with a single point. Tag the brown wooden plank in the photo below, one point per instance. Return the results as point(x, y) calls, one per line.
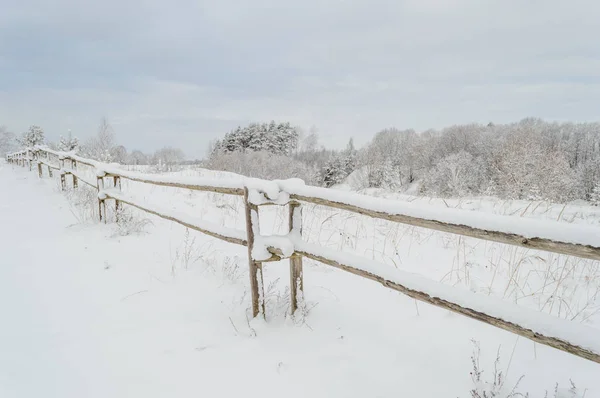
point(490, 320)
point(256, 274)
point(296, 273)
point(571, 249)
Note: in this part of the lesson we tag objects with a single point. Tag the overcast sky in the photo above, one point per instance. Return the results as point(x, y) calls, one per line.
point(184, 72)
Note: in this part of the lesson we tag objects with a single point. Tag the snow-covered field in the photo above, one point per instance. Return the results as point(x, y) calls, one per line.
point(90, 312)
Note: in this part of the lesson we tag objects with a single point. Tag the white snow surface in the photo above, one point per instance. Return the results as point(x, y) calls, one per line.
point(541, 323)
point(172, 212)
point(278, 191)
point(261, 243)
point(528, 228)
point(90, 313)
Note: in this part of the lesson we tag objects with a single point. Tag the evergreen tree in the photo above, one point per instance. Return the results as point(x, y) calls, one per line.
point(68, 144)
point(32, 137)
point(275, 138)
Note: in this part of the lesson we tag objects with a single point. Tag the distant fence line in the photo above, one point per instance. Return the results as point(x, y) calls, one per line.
point(580, 241)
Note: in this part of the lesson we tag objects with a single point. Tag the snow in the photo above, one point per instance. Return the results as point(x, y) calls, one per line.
point(546, 325)
point(278, 192)
point(281, 242)
point(528, 228)
point(89, 313)
point(174, 214)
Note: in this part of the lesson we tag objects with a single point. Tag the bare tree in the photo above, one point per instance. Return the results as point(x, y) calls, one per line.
point(119, 154)
point(101, 145)
point(167, 157)
point(137, 158)
point(8, 141)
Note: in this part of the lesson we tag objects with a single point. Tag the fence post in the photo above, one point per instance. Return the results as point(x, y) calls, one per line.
point(117, 184)
point(101, 203)
point(296, 277)
point(63, 180)
point(256, 274)
point(30, 158)
point(50, 171)
point(74, 167)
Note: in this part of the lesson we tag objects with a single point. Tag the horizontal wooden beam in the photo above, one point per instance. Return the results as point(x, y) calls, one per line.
point(490, 320)
point(48, 164)
point(194, 187)
point(572, 249)
point(217, 235)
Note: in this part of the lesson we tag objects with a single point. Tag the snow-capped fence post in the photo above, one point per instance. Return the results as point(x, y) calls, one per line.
point(74, 167)
point(30, 158)
point(49, 171)
point(296, 279)
point(63, 178)
point(40, 173)
point(256, 274)
point(117, 185)
point(101, 203)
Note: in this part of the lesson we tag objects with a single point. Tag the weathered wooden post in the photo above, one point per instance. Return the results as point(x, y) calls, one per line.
point(101, 202)
point(74, 167)
point(256, 274)
point(296, 277)
point(117, 185)
point(63, 181)
point(30, 158)
point(50, 171)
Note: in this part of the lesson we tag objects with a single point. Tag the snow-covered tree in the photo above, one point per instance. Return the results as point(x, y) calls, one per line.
point(455, 175)
point(595, 195)
point(263, 164)
point(167, 157)
point(68, 144)
point(118, 154)
point(396, 151)
point(32, 137)
point(276, 138)
point(138, 157)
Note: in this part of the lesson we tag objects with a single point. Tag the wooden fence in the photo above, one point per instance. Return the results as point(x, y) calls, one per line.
point(580, 241)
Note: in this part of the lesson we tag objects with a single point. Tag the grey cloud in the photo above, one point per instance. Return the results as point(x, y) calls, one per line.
point(184, 73)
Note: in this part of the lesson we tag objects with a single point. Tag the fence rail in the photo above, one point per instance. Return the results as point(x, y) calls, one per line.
point(580, 241)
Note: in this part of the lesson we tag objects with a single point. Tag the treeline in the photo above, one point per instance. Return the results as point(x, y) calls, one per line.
point(531, 159)
point(102, 146)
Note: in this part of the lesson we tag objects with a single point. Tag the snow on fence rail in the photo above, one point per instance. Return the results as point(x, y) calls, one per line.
point(581, 241)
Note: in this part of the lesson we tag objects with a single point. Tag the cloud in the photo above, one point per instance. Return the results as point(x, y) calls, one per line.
point(184, 73)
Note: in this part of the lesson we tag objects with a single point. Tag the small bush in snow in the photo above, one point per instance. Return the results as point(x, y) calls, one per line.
point(83, 203)
point(495, 387)
point(129, 223)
